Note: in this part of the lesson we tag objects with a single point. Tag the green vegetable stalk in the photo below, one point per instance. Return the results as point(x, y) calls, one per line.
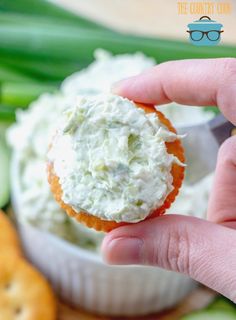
point(21, 94)
point(75, 44)
point(4, 170)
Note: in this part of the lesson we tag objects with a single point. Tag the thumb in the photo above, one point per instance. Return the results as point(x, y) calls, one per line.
point(201, 249)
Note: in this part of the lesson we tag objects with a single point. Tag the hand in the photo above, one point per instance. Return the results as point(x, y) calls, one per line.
point(204, 250)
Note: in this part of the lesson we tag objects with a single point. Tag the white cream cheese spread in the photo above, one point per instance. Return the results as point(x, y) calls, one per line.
point(30, 136)
point(99, 76)
point(111, 159)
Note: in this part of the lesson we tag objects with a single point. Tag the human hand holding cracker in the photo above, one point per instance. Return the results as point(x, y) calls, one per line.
point(205, 250)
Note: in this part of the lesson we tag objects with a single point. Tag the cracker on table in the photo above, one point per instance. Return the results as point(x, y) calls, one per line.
point(24, 293)
point(9, 240)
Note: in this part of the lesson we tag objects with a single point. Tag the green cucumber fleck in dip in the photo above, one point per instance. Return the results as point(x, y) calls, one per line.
point(111, 159)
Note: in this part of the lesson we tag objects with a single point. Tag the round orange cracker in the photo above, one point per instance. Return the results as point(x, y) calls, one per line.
point(9, 240)
point(98, 224)
point(24, 293)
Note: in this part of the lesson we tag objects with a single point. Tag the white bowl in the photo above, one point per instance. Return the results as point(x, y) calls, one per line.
point(82, 279)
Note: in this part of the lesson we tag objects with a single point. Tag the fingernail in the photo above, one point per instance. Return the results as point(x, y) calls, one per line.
point(124, 250)
point(121, 86)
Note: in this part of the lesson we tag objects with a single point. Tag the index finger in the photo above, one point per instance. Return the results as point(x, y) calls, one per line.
point(191, 82)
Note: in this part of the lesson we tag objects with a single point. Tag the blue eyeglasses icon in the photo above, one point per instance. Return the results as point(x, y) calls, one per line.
point(212, 35)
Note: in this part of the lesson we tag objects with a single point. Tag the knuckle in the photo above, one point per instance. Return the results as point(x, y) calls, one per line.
point(178, 251)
